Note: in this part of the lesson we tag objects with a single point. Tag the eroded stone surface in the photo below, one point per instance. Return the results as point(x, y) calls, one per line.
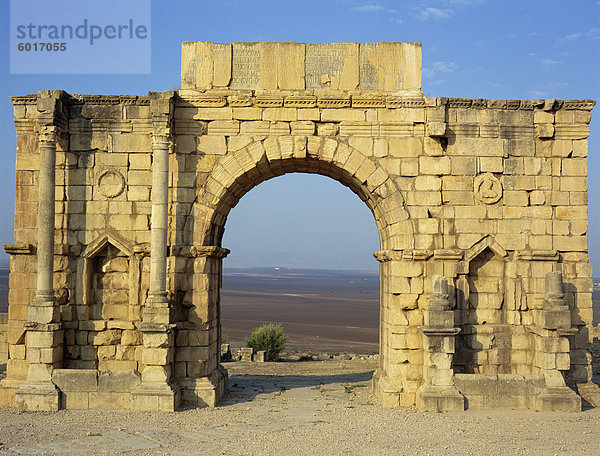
point(490, 195)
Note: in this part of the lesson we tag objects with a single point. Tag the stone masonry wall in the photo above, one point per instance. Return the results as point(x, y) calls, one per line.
point(3, 339)
point(489, 194)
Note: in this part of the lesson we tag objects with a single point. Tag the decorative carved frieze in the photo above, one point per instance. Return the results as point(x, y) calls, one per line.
point(269, 101)
point(333, 102)
point(368, 102)
point(459, 102)
point(240, 100)
point(586, 105)
point(208, 101)
point(298, 101)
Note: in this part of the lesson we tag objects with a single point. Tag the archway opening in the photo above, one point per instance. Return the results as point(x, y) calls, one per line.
point(301, 257)
point(247, 166)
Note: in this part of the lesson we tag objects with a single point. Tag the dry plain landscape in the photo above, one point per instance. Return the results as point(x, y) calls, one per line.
point(300, 408)
point(320, 310)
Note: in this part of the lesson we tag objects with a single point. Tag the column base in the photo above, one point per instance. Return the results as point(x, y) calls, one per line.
point(154, 397)
point(43, 397)
point(558, 399)
point(432, 398)
point(205, 391)
point(385, 390)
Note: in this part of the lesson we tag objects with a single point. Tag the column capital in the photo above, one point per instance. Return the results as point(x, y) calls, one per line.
point(161, 140)
point(47, 135)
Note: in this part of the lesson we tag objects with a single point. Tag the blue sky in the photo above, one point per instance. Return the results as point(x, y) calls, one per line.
point(514, 49)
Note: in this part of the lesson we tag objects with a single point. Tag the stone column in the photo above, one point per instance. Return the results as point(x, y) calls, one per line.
point(158, 390)
point(438, 393)
point(157, 295)
point(44, 333)
point(552, 348)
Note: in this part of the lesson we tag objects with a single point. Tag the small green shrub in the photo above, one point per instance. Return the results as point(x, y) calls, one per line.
point(268, 337)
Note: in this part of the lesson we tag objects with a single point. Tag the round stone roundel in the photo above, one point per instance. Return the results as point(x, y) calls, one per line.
point(488, 189)
point(111, 183)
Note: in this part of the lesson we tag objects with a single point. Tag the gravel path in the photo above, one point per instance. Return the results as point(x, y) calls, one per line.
point(301, 408)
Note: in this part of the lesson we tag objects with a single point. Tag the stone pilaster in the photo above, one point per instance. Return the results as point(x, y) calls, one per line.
point(552, 348)
point(438, 393)
point(158, 390)
point(44, 331)
point(386, 389)
point(206, 379)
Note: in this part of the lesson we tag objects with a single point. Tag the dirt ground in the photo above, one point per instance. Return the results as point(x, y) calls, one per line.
point(300, 408)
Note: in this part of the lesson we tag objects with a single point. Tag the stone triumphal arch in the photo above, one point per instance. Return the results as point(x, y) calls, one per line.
point(121, 202)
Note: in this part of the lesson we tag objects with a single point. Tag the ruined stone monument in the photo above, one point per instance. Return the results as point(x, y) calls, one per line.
point(121, 204)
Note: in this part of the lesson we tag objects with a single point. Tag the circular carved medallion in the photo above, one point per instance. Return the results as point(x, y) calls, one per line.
point(488, 189)
point(111, 183)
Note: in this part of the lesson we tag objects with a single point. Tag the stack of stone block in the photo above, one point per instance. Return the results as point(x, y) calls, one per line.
point(3, 338)
point(122, 201)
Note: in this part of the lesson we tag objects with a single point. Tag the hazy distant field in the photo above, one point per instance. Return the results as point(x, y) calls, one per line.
point(320, 310)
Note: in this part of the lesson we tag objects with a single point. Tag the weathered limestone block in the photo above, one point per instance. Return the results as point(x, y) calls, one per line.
point(297, 66)
point(158, 174)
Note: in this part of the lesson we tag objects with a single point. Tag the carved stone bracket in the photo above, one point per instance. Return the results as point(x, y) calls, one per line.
point(389, 255)
point(19, 249)
point(211, 251)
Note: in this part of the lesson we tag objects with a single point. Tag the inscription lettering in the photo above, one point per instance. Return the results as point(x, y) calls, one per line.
point(324, 59)
point(367, 74)
point(245, 69)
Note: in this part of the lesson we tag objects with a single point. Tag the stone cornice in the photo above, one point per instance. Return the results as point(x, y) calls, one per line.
point(362, 100)
point(308, 99)
point(79, 99)
point(19, 249)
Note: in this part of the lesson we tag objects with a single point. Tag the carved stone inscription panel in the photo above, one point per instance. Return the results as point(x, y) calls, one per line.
point(245, 70)
point(324, 61)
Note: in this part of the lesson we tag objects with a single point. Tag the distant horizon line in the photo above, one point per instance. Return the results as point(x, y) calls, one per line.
point(299, 268)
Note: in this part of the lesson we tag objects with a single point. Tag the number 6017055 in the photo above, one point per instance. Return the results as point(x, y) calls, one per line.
point(52, 47)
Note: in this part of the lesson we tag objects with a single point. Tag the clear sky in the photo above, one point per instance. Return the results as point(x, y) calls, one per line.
point(503, 49)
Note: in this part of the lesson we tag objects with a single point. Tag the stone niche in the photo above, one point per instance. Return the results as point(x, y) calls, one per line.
point(109, 285)
point(484, 341)
point(105, 338)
